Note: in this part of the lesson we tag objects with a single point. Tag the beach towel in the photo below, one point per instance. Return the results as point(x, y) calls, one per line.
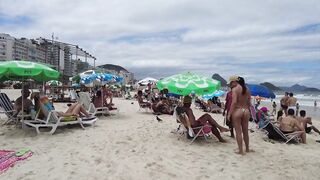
point(9, 158)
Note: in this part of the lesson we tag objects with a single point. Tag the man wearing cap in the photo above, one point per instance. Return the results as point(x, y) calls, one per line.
point(203, 120)
point(27, 103)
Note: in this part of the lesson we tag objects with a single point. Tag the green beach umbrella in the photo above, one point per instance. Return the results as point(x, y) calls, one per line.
point(187, 83)
point(24, 70)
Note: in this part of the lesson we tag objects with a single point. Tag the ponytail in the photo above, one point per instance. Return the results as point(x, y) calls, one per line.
point(242, 84)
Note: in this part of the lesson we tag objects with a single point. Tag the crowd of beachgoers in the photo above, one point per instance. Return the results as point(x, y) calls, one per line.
point(190, 117)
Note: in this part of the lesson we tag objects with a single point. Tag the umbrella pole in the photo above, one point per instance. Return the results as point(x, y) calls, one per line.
point(22, 109)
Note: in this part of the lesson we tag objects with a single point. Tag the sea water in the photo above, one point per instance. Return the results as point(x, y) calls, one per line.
point(306, 102)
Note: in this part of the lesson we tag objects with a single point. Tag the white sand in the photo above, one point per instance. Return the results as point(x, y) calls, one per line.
point(136, 146)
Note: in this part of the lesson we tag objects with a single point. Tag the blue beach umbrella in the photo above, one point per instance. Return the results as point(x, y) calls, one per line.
point(262, 91)
point(215, 94)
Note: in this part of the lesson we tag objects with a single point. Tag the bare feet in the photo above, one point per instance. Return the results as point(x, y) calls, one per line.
point(223, 129)
point(240, 153)
point(250, 150)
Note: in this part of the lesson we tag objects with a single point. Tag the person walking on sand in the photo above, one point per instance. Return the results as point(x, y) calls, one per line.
point(274, 108)
point(284, 103)
point(240, 113)
point(315, 103)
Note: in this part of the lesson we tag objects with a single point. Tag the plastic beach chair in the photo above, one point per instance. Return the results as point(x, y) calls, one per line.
point(199, 132)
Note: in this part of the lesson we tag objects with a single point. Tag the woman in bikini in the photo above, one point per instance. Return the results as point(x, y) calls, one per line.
point(239, 111)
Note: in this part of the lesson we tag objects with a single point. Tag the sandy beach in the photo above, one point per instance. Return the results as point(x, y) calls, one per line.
point(134, 145)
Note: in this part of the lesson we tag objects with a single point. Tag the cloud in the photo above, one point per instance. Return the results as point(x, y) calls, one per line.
point(261, 40)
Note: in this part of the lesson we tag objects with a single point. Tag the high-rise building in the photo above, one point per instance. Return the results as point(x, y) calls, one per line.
point(58, 54)
point(6, 46)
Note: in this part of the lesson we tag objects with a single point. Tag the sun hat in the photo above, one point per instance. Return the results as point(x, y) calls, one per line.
point(233, 78)
point(264, 109)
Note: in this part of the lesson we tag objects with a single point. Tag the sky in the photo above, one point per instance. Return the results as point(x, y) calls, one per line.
point(274, 41)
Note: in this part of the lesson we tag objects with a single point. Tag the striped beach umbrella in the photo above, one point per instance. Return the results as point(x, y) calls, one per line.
point(24, 70)
point(187, 83)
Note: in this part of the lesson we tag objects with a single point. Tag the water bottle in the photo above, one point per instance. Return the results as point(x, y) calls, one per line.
point(33, 112)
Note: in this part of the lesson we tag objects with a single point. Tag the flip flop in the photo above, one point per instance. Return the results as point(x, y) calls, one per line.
point(22, 152)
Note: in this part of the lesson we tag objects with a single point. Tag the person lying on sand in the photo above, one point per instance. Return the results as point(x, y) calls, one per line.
point(203, 120)
point(290, 124)
point(307, 120)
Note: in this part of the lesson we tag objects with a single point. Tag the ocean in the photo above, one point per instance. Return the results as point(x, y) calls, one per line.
point(306, 102)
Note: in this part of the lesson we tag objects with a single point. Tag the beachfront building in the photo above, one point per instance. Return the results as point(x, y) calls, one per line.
point(61, 56)
point(6, 46)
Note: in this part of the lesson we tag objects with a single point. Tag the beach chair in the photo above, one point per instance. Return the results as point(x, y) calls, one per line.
point(7, 107)
point(199, 132)
point(85, 100)
point(9, 111)
point(275, 133)
point(53, 121)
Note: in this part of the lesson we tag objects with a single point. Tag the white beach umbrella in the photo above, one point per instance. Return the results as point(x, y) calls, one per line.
point(147, 80)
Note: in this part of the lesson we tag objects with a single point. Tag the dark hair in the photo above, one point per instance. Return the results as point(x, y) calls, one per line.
point(242, 84)
point(291, 112)
point(302, 113)
point(279, 114)
point(139, 92)
point(291, 94)
point(98, 93)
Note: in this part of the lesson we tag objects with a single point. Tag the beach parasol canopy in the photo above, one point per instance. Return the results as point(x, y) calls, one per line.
point(187, 83)
point(217, 93)
point(54, 83)
point(147, 80)
point(262, 91)
point(24, 70)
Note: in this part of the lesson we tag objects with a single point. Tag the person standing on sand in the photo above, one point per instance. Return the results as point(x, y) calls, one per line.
point(240, 113)
point(228, 105)
point(292, 101)
point(274, 108)
point(284, 102)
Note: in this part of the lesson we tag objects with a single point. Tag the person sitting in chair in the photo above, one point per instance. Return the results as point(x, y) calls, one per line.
point(290, 124)
point(203, 120)
point(141, 101)
point(75, 109)
point(27, 103)
point(162, 106)
point(307, 120)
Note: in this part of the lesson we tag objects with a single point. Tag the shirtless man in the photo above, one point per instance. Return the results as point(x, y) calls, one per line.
point(284, 102)
point(203, 120)
point(290, 124)
point(292, 101)
point(27, 103)
point(307, 120)
point(240, 112)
